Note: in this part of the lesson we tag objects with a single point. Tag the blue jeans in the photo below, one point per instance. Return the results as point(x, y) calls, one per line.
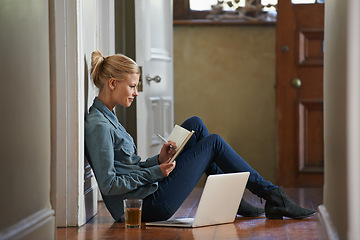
point(204, 153)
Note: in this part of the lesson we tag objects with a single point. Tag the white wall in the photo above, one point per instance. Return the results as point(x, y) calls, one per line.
point(342, 116)
point(25, 148)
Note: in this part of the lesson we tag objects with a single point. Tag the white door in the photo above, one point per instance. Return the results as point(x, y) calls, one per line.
point(154, 52)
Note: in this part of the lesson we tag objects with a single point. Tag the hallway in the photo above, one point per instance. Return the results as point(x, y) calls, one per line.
point(102, 226)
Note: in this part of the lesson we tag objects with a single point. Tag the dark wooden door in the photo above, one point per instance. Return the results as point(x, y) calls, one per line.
point(299, 94)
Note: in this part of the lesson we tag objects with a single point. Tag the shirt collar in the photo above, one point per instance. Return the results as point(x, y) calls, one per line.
point(110, 115)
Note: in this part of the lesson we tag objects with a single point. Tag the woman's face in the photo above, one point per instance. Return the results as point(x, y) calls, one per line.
point(126, 90)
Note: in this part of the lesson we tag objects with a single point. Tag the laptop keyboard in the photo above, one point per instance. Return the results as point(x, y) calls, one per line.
point(179, 221)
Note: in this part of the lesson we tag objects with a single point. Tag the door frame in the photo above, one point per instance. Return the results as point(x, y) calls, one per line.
point(68, 102)
point(63, 59)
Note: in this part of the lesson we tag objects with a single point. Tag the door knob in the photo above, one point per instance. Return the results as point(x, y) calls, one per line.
point(285, 48)
point(296, 82)
point(155, 79)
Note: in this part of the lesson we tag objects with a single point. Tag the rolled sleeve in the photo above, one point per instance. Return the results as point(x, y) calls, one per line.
point(153, 161)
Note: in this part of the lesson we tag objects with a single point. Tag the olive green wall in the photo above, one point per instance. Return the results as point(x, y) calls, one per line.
point(25, 147)
point(226, 76)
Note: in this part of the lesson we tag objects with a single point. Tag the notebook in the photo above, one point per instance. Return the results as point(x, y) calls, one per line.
point(180, 136)
point(218, 204)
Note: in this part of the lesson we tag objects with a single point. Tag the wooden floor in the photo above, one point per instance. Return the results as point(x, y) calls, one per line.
point(102, 226)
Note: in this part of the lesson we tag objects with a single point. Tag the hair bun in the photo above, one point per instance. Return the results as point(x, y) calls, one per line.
point(96, 60)
point(117, 66)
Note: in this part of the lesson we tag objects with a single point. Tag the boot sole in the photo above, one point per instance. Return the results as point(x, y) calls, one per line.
point(251, 215)
point(277, 216)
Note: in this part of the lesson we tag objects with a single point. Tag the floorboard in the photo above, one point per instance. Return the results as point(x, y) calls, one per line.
point(102, 226)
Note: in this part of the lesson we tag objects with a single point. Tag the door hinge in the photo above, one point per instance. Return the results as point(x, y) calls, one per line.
point(140, 85)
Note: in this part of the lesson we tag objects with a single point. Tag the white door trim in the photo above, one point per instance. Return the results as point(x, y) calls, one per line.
point(68, 101)
point(64, 120)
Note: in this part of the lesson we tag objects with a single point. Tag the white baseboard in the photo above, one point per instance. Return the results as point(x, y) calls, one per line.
point(40, 225)
point(326, 230)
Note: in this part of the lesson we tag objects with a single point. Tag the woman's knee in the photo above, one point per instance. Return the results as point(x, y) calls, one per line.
point(216, 138)
point(192, 122)
point(196, 119)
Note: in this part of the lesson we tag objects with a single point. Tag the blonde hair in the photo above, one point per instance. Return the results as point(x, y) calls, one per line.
point(116, 66)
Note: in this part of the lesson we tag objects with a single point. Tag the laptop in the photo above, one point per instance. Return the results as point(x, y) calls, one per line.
point(218, 204)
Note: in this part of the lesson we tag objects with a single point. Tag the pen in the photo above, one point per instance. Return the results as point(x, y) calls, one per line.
point(164, 140)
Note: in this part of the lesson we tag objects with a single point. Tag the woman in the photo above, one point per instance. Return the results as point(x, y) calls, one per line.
point(163, 186)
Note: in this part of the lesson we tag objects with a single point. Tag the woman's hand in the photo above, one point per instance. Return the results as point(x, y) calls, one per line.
point(167, 167)
point(165, 156)
point(167, 152)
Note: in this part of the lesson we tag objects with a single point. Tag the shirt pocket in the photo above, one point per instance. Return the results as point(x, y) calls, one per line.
point(127, 148)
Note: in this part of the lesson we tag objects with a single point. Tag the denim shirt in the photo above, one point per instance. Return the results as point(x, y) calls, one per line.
point(111, 152)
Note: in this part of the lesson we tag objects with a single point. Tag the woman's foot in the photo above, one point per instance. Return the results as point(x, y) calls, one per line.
point(279, 205)
point(248, 210)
